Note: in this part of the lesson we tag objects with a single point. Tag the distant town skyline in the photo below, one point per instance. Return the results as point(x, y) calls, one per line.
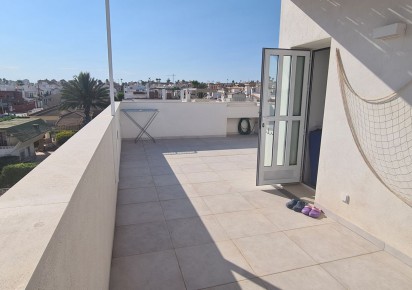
point(216, 41)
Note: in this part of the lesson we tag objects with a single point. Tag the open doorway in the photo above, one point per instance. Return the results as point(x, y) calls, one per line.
point(316, 107)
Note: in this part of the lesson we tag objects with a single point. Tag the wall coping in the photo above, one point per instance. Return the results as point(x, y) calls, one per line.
point(31, 211)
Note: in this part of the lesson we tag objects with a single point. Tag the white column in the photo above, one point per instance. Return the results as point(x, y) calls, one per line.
point(109, 56)
point(164, 96)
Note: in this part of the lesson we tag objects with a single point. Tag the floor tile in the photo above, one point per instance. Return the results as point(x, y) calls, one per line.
point(247, 185)
point(212, 264)
point(223, 166)
point(136, 195)
point(272, 253)
point(213, 159)
point(196, 231)
point(252, 284)
point(330, 242)
point(194, 168)
point(197, 177)
point(159, 270)
point(247, 164)
point(135, 182)
point(265, 198)
point(163, 180)
point(134, 171)
point(372, 271)
point(184, 208)
point(141, 238)
point(187, 161)
point(134, 164)
point(132, 156)
point(175, 191)
point(129, 214)
point(238, 174)
point(154, 163)
point(309, 278)
point(287, 219)
point(227, 203)
point(245, 223)
point(213, 188)
point(163, 170)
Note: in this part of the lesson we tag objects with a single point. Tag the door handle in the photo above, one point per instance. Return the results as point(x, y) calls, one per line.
point(263, 125)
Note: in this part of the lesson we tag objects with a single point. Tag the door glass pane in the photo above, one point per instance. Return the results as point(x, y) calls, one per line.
point(280, 160)
point(297, 102)
point(284, 94)
point(294, 142)
point(273, 74)
point(269, 132)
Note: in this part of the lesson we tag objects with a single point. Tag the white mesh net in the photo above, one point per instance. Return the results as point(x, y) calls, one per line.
point(382, 130)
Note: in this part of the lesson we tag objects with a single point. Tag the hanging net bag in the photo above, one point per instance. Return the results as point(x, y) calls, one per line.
point(382, 130)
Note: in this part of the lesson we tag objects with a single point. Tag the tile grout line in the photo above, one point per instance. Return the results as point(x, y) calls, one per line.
point(172, 243)
point(347, 258)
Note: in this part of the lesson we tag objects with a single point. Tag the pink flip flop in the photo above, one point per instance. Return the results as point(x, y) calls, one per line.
point(307, 209)
point(315, 212)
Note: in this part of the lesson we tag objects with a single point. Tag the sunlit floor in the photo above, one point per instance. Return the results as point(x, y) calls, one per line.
point(189, 216)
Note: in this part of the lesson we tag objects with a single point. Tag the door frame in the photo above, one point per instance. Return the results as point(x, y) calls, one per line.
point(305, 152)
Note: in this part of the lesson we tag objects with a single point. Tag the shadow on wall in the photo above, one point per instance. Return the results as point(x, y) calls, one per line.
point(351, 24)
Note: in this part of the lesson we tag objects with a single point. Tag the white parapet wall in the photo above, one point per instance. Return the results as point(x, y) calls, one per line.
point(57, 223)
point(187, 119)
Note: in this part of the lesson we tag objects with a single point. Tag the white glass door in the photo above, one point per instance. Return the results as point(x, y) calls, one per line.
point(283, 102)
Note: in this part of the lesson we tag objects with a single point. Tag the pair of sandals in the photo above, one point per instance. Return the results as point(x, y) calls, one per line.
point(303, 207)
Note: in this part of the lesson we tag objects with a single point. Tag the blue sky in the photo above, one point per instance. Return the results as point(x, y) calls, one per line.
point(209, 40)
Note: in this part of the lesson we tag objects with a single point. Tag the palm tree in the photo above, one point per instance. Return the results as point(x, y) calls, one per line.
point(84, 92)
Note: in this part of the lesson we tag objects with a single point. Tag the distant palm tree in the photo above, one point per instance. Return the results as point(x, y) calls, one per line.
point(84, 92)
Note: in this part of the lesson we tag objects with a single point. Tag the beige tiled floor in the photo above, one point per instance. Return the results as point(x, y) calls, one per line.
point(189, 216)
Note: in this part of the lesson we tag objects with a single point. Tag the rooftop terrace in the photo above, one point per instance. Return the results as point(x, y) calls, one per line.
point(181, 213)
point(189, 216)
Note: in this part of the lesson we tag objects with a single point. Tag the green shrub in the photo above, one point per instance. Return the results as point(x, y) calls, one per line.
point(6, 160)
point(11, 174)
point(63, 136)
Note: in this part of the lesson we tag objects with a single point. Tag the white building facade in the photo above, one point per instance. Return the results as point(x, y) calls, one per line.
point(349, 185)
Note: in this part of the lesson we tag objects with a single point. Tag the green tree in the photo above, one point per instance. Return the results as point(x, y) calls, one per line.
point(63, 136)
point(119, 97)
point(85, 93)
point(11, 174)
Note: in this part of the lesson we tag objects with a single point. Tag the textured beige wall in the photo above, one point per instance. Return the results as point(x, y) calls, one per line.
point(375, 68)
point(57, 223)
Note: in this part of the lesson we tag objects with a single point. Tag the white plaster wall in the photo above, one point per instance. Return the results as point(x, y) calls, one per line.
point(187, 119)
point(57, 223)
point(176, 119)
point(237, 110)
point(233, 123)
point(296, 28)
point(375, 68)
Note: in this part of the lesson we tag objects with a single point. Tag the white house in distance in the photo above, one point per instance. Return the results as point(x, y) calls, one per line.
point(18, 136)
point(355, 61)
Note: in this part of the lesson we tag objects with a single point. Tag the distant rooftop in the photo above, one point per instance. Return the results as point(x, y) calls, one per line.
point(24, 128)
point(16, 122)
